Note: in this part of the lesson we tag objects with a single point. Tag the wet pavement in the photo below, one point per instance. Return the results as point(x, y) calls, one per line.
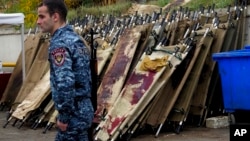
point(189, 134)
point(25, 133)
point(13, 133)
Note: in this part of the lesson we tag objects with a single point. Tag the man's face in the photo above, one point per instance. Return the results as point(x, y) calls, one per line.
point(45, 21)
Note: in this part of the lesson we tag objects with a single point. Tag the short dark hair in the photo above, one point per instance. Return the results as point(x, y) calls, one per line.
point(56, 6)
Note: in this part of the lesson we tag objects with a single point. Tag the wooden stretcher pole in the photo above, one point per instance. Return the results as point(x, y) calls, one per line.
point(94, 72)
point(93, 67)
point(23, 53)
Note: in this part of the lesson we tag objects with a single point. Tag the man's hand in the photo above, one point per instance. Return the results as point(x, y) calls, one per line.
point(61, 126)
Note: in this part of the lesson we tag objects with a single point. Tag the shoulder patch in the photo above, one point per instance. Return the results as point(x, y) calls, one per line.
point(58, 56)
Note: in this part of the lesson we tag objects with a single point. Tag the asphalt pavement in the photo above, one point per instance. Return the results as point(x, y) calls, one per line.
point(25, 133)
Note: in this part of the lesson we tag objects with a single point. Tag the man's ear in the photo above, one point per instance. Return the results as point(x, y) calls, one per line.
point(56, 17)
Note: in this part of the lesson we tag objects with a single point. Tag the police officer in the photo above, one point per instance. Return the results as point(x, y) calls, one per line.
point(70, 73)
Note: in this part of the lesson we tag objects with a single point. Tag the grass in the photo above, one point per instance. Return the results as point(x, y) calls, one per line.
point(122, 7)
point(195, 4)
point(115, 10)
point(160, 3)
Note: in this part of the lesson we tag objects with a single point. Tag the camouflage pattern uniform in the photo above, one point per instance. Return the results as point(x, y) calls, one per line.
point(71, 83)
